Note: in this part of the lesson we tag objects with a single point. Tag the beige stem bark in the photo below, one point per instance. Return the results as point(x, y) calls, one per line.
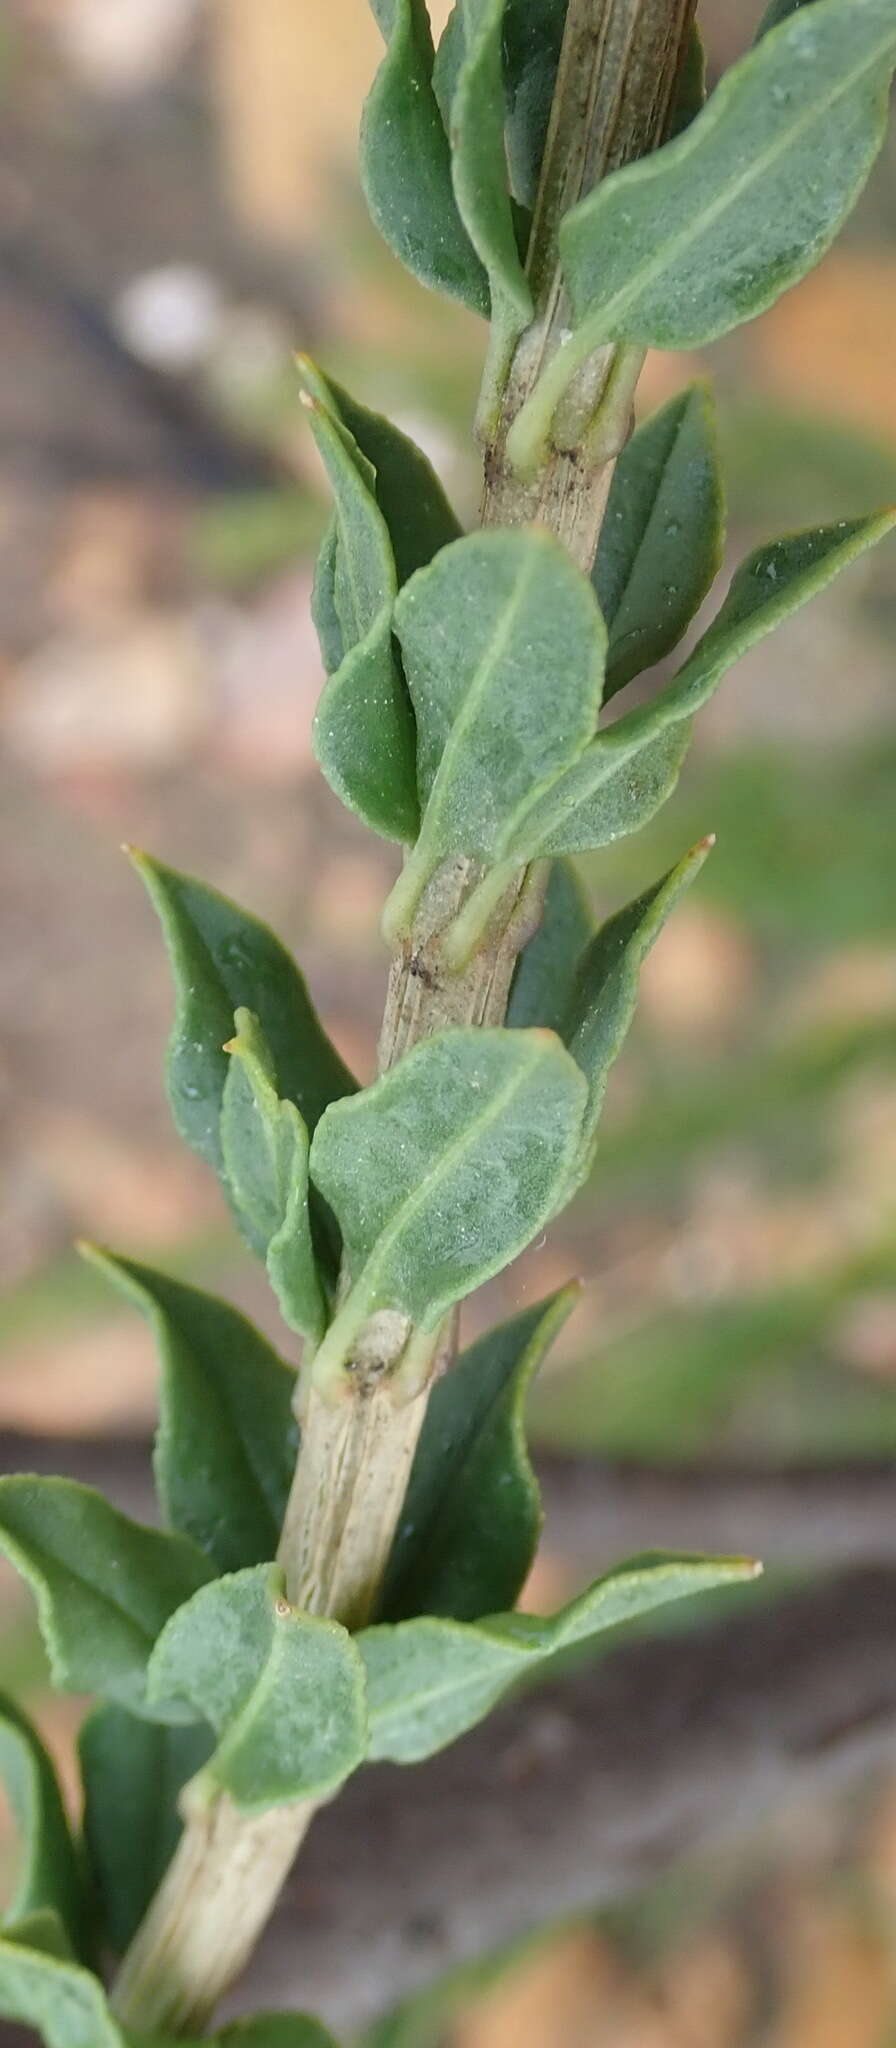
point(618, 68)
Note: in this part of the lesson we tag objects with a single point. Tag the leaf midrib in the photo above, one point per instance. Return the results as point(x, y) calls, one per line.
point(527, 1063)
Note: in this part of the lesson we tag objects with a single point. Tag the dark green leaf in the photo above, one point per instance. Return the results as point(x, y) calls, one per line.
point(49, 1873)
point(104, 1585)
point(260, 1672)
point(65, 2004)
point(661, 543)
point(443, 1171)
point(678, 248)
point(479, 172)
point(504, 654)
point(429, 1680)
point(533, 34)
point(408, 492)
point(650, 741)
point(406, 164)
point(323, 602)
point(265, 1144)
point(133, 1772)
point(275, 2030)
point(222, 960)
point(472, 1514)
point(227, 1442)
point(363, 727)
point(606, 987)
point(546, 969)
point(776, 13)
point(690, 89)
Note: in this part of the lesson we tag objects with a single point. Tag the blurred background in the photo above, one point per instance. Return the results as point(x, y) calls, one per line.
point(179, 211)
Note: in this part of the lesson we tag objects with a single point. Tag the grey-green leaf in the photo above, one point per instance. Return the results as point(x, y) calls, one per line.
point(546, 969)
point(606, 987)
point(631, 766)
point(661, 541)
point(227, 1440)
point(104, 1585)
point(49, 1874)
point(265, 1145)
point(444, 1170)
point(133, 1772)
point(64, 2003)
point(504, 648)
point(428, 1680)
point(363, 727)
point(674, 250)
point(406, 163)
point(223, 959)
point(472, 1513)
point(283, 1691)
point(479, 172)
point(605, 797)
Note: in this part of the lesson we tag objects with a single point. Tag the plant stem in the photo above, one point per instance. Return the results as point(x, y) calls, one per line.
point(618, 67)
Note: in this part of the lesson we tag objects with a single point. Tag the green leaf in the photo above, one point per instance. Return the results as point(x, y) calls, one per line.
point(776, 13)
point(222, 960)
point(275, 2030)
point(629, 768)
point(690, 89)
point(265, 1145)
point(261, 1673)
point(481, 630)
point(429, 1680)
point(227, 1441)
point(674, 250)
point(661, 542)
point(472, 1515)
point(771, 584)
point(606, 987)
point(533, 35)
point(444, 1170)
point(408, 492)
point(65, 2004)
point(104, 1585)
point(479, 172)
point(406, 163)
point(49, 1873)
point(546, 969)
point(609, 797)
point(323, 602)
point(133, 1771)
point(363, 726)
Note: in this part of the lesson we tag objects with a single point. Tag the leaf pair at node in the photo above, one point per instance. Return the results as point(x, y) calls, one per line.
point(58, 1907)
point(675, 250)
point(509, 658)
